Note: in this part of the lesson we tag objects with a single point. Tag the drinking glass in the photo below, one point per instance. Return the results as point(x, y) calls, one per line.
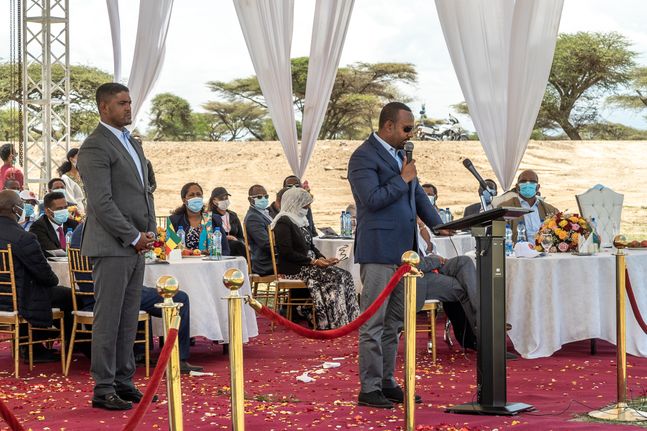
point(546, 241)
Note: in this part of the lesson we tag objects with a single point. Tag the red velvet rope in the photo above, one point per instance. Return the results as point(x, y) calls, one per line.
point(156, 378)
point(348, 328)
point(634, 304)
point(9, 417)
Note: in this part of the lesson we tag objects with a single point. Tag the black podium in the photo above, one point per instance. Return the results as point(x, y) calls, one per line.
point(488, 228)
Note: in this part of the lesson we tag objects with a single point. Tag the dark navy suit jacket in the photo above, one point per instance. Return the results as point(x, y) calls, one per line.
point(386, 206)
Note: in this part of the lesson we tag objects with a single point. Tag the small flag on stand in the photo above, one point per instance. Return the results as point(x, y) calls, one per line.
point(172, 238)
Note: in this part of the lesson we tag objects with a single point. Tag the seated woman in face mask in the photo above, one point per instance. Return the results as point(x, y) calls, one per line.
point(219, 207)
point(331, 288)
point(198, 224)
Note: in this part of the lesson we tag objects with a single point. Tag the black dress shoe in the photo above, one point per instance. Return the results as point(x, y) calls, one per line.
point(134, 395)
point(111, 402)
point(374, 399)
point(397, 395)
point(186, 368)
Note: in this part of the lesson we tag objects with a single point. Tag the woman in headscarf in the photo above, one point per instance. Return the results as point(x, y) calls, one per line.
point(198, 224)
point(331, 288)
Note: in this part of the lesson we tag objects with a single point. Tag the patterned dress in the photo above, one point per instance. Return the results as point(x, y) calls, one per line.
point(332, 290)
point(192, 239)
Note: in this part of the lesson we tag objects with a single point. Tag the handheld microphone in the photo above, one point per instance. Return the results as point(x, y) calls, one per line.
point(470, 167)
point(408, 151)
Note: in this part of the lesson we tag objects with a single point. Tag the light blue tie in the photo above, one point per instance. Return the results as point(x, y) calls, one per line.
point(133, 154)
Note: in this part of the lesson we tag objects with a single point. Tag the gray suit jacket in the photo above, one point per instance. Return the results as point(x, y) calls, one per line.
point(118, 205)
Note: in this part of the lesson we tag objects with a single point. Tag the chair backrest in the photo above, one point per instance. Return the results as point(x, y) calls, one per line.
point(270, 234)
point(80, 272)
point(497, 200)
point(8, 277)
point(248, 256)
point(606, 206)
point(161, 221)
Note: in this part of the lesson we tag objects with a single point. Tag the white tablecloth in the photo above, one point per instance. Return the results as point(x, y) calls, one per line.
point(562, 298)
point(202, 281)
point(452, 246)
point(447, 246)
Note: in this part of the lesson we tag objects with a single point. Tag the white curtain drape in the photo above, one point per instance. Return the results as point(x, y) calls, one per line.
point(115, 32)
point(267, 28)
point(502, 51)
point(329, 29)
point(150, 47)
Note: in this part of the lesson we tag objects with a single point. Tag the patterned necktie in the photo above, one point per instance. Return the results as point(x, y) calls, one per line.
point(61, 238)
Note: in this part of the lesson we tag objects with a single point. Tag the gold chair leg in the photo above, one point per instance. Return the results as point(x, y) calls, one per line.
point(31, 347)
point(71, 347)
point(432, 315)
point(62, 332)
point(16, 346)
point(276, 305)
point(147, 348)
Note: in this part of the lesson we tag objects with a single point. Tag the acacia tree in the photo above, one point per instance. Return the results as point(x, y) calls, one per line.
point(637, 97)
point(236, 119)
point(171, 118)
point(586, 66)
point(358, 93)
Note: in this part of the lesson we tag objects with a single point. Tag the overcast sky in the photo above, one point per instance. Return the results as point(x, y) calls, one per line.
point(205, 43)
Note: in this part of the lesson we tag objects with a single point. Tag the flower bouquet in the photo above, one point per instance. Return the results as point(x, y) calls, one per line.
point(75, 214)
point(158, 246)
point(562, 233)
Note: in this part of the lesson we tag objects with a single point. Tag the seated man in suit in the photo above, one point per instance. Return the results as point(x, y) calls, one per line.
point(476, 207)
point(432, 194)
point(453, 282)
point(31, 208)
point(527, 196)
point(257, 220)
point(149, 298)
point(51, 229)
point(36, 284)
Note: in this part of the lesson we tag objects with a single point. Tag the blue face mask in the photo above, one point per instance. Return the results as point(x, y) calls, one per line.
point(29, 210)
point(261, 203)
point(195, 204)
point(61, 216)
point(528, 190)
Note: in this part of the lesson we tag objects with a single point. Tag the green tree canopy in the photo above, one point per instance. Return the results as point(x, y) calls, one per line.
point(171, 118)
point(637, 97)
point(237, 118)
point(358, 93)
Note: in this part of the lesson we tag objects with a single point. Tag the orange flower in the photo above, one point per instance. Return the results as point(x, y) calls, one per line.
point(562, 234)
point(563, 223)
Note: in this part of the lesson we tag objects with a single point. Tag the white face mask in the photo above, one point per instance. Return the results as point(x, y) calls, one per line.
point(60, 191)
point(223, 205)
point(432, 200)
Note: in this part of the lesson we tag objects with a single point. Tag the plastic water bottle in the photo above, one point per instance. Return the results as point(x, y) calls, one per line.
point(443, 216)
point(216, 244)
point(68, 237)
point(342, 223)
point(449, 215)
point(348, 228)
point(508, 240)
point(182, 236)
point(521, 232)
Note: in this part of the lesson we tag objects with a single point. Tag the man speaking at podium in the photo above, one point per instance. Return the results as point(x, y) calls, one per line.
point(388, 198)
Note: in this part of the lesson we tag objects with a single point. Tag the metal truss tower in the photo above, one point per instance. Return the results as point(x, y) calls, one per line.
point(45, 88)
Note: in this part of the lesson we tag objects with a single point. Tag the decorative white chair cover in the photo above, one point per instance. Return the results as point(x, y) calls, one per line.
point(606, 206)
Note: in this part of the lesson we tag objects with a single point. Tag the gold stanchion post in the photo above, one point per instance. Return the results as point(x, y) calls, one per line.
point(167, 287)
point(411, 258)
point(620, 412)
point(233, 280)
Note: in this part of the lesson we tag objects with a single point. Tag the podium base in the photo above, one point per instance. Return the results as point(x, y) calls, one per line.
point(509, 409)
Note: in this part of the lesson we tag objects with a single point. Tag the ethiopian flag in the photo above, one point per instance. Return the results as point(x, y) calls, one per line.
point(172, 239)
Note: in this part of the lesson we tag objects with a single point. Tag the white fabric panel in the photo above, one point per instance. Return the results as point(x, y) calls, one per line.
point(502, 52)
point(605, 206)
point(150, 46)
point(115, 32)
point(329, 29)
point(267, 28)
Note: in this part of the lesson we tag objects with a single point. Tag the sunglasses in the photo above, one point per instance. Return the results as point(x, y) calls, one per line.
point(407, 129)
point(260, 196)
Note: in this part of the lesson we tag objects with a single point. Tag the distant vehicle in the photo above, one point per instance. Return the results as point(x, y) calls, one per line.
point(449, 131)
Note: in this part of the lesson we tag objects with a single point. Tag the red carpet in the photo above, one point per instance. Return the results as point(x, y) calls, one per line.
point(570, 383)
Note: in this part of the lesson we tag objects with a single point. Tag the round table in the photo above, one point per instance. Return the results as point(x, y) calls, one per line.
point(202, 281)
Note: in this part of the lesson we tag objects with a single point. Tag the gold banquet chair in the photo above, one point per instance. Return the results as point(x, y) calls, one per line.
point(431, 307)
point(256, 280)
point(80, 272)
point(284, 287)
point(10, 321)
